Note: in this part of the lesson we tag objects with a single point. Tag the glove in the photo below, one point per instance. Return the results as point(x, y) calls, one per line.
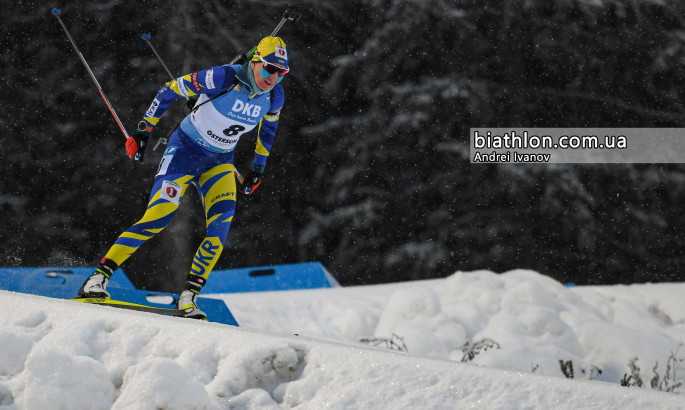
point(251, 182)
point(137, 143)
point(190, 104)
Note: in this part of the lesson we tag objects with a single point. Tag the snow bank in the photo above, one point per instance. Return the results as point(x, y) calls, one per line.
point(536, 320)
point(302, 348)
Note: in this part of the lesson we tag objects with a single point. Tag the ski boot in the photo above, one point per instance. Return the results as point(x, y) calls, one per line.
point(96, 284)
point(186, 303)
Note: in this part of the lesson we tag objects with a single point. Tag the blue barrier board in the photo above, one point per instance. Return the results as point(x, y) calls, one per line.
point(54, 282)
point(64, 283)
point(308, 275)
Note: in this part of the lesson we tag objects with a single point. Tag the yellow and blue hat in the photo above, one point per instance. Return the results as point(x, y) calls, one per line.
point(272, 49)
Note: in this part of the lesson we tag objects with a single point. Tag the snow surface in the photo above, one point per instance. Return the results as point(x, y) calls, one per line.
point(302, 348)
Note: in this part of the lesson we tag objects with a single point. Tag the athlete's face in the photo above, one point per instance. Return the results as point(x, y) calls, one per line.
point(263, 83)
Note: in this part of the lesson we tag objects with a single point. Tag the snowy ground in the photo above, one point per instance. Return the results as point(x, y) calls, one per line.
point(301, 348)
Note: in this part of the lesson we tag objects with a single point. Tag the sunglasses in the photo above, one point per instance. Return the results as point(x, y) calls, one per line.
point(273, 68)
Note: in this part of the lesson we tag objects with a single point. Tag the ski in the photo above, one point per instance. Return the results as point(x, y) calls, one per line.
point(131, 306)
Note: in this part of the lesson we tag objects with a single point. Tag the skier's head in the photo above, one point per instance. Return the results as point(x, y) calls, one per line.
point(270, 62)
point(273, 51)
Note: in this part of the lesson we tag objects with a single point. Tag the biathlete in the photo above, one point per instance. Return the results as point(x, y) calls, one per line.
point(233, 99)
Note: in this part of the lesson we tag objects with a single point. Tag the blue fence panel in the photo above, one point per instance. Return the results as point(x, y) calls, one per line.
point(64, 283)
point(54, 282)
point(309, 275)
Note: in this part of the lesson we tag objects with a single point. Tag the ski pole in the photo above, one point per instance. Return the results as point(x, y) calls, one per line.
point(56, 12)
point(147, 37)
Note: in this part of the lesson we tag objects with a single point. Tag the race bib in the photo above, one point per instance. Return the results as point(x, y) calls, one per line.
point(220, 132)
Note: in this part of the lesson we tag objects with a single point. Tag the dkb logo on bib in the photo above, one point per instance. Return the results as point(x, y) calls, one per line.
point(246, 108)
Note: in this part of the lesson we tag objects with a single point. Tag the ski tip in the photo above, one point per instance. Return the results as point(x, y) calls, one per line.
point(145, 36)
point(56, 11)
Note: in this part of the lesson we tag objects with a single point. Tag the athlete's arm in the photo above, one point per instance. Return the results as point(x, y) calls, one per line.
point(267, 130)
point(209, 81)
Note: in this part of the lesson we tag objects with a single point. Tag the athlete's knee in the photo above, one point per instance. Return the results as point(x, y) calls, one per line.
point(152, 222)
point(218, 223)
point(219, 229)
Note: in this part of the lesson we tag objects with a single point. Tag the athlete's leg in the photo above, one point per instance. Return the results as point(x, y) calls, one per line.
point(177, 169)
point(174, 175)
point(218, 192)
point(164, 201)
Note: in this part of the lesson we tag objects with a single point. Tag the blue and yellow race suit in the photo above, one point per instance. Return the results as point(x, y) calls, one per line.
point(200, 152)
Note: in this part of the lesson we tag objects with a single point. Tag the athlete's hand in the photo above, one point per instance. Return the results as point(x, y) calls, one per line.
point(251, 183)
point(136, 144)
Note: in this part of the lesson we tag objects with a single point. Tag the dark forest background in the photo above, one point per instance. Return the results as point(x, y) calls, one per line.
point(370, 171)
